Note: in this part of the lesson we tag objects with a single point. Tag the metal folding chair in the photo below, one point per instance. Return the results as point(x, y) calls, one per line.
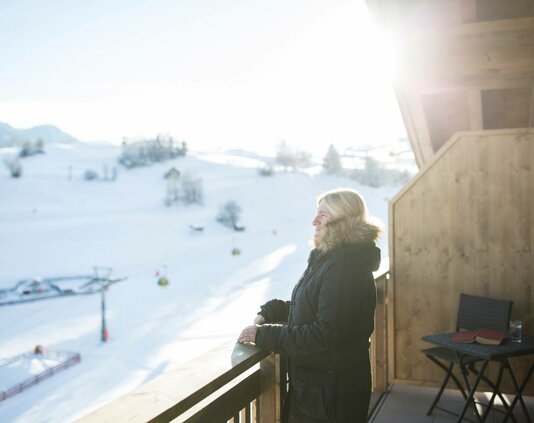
point(473, 313)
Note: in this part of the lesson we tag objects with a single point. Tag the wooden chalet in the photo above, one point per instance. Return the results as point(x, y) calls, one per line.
point(465, 223)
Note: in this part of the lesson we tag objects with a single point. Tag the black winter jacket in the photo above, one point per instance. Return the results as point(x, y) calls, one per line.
point(324, 332)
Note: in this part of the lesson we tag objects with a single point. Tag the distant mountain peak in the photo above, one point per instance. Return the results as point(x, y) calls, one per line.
point(48, 133)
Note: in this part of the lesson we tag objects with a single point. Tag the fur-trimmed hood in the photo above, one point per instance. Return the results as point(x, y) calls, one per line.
point(346, 231)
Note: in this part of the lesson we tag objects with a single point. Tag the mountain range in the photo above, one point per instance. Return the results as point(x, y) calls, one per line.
point(48, 133)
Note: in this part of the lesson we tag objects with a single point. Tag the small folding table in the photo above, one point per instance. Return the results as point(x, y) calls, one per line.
point(497, 353)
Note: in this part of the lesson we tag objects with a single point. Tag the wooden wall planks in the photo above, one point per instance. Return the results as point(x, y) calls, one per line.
point(464, 224)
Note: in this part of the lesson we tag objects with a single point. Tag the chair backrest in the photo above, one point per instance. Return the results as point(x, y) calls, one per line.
point(483, 313)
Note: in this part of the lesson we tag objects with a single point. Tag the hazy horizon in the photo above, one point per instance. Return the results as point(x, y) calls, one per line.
point(235, 74)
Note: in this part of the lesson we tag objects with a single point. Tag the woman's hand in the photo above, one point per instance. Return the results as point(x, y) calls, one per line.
point(259, 320)
point(248, 335)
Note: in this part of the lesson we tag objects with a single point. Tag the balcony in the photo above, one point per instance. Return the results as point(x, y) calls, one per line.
point(241, 383)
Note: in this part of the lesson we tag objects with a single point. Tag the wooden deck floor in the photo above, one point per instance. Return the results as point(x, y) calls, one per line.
point(409, 404)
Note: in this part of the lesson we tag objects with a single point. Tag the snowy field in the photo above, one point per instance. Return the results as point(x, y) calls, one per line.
point(51, 226)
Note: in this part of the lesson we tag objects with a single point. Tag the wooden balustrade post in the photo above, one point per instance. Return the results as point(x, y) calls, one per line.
point(269, 400)
point(379, 344)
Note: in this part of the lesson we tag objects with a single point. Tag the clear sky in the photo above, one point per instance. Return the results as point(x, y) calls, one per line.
point(217, 73)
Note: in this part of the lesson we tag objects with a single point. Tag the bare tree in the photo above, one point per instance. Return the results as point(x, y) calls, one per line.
point(147, 151)
point(285, 156)
point(192, 189)
point(266, 170)
point(229, 214)
point(290, 158)
point(14, 167)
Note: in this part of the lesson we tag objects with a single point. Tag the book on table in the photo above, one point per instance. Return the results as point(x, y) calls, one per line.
point(481, 336)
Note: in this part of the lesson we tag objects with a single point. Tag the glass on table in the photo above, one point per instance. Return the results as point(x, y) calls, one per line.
point(516, 327)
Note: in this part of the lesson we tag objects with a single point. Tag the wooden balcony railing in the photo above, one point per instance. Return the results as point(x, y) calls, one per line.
point(238, 383)
point(234, 382)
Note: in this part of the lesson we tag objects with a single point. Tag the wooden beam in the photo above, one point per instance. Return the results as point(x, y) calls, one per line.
point(476, 55)
point(500, 25)
point(467, 10)
point(469, 57)
point(531, 119)
point(474, 103)
point(415, 122)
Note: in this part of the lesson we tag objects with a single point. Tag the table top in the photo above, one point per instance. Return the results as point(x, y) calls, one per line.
point(489, 352)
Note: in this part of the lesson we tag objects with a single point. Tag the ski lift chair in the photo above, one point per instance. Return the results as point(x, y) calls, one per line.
point(163, 281)
point(473, 313)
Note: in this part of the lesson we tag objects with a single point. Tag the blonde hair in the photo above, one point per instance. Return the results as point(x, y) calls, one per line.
point(344, 202)
point(350, 224)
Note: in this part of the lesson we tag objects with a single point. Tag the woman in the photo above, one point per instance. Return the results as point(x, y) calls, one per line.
point(324, 330)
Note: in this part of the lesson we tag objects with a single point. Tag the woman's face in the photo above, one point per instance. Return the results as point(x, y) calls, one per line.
point(322, 218)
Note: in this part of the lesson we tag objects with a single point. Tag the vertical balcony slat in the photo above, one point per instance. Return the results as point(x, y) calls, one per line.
point(255, 407)
point(269, 400)
point(226, 407)
point(379, 346)
point(248, 413)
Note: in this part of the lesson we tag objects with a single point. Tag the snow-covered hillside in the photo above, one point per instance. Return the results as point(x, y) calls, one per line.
point(47, 133)
point(53, 226)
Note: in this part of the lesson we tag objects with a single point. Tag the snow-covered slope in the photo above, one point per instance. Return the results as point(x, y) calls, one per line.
point(53, 226)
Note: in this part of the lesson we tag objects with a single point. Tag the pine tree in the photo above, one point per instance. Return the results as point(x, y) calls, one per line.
point(332, 161)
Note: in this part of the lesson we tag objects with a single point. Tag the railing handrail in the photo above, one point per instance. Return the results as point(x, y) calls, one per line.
point(165, 397)
point(249, 356)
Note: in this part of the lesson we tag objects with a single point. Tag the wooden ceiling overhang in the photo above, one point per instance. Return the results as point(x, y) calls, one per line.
point(454, 75)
